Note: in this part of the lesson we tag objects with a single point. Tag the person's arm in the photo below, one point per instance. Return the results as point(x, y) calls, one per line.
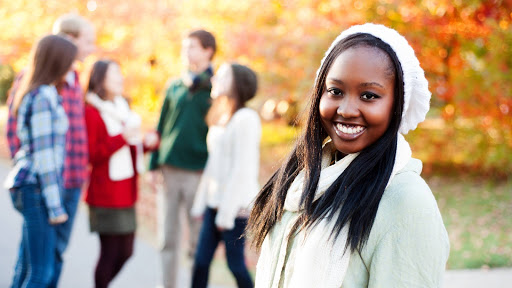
point(101, 145)
point(413, 253)
point(244, 169)
point(41, 133)
point(153, 160)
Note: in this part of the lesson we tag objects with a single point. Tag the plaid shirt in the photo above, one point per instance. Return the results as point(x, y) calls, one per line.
point(41, 128)
point(75, 165)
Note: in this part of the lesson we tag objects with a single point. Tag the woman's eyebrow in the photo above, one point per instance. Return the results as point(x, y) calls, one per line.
point(367, 84)
point(335, 80)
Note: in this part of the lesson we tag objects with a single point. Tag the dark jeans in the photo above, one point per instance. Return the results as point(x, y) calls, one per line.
point(115, 250)
point(35, 266)
point(70, 201)
point(209, 239)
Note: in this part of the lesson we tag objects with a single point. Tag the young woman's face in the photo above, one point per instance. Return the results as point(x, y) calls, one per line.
point(113, 81)
point(357, 103)
point(222, 81)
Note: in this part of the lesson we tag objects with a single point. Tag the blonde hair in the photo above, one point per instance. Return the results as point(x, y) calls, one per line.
point(69, 24)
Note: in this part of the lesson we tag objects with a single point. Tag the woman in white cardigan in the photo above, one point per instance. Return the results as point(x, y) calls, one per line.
point(230, 179)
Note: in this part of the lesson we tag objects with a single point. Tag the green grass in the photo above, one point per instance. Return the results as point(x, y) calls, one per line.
point(463, 147)
point(275, 134)
point(478, 218)
point(276, 142)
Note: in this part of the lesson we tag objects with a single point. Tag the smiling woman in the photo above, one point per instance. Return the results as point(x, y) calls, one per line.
point(349, 207)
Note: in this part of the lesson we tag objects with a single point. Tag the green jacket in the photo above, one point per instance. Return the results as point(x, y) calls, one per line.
point(182, 126)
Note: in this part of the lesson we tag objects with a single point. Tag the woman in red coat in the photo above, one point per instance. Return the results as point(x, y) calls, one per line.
point(116, 150)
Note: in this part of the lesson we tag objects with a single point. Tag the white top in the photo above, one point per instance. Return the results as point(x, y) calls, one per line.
point(230, 179)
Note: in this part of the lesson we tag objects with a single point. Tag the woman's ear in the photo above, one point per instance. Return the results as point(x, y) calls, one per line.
point(210, 53)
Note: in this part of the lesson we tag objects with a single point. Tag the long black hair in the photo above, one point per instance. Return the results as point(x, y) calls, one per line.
point(357, 192)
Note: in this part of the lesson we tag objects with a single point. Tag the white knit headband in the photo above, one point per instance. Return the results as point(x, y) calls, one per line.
point(416, 93)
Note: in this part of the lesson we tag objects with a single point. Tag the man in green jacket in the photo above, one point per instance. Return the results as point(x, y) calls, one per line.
point(182, 154)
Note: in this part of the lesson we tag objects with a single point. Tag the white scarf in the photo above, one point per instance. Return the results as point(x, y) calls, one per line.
point(319, 262)
point(116, 115)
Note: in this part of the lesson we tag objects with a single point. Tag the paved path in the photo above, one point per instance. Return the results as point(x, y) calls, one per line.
point(493, 278)
point(143, 269)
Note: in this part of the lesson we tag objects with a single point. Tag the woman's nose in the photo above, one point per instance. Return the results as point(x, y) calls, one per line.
point(348, 107)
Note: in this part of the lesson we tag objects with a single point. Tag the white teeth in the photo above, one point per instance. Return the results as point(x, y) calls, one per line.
point(349, 129)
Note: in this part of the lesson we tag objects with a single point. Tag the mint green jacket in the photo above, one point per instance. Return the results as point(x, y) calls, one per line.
point(408, 245)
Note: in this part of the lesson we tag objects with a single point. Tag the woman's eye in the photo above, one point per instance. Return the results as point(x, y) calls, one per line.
point(369, 96)
point(335, 91)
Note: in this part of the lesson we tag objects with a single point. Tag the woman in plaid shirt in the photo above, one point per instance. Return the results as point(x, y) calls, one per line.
point(35, 181)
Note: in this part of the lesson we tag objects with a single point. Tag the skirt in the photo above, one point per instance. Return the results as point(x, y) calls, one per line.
point(112, 220)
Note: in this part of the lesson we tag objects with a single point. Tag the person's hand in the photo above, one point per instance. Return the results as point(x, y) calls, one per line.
point(198, 218)
point(221, 229)
point(129, 133)
point(154, 176)
point(59, 219)
point(151, 140)
point(154, 179)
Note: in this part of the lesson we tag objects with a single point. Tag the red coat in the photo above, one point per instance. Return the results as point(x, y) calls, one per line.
point(102, 191)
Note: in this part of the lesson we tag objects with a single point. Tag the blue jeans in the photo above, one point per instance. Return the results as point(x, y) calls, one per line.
point(209, 239)
point(70, 201)
point(36, 256)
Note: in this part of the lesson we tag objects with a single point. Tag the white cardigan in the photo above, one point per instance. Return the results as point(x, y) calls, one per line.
point(230, 179)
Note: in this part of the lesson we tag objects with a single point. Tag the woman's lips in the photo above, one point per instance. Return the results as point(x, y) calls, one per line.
point(348, 132)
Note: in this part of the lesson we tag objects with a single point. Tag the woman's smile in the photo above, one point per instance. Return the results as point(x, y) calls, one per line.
point(348, 131)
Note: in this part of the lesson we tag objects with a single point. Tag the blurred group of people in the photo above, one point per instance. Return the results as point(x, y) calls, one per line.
point(64, 140)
